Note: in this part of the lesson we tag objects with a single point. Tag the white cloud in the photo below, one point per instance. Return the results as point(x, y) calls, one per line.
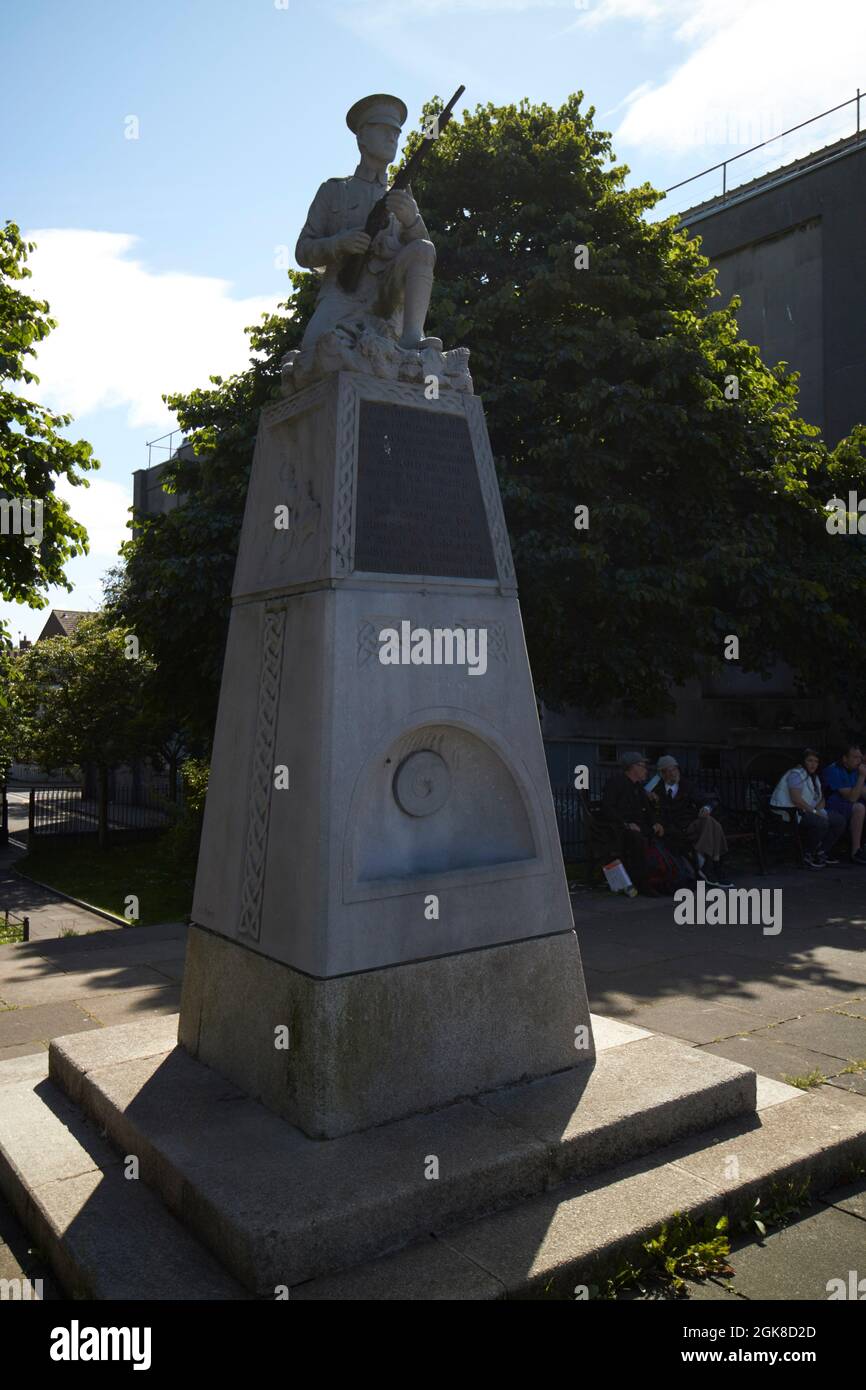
point(742, 71)
point(102, 508)
point(125, 333)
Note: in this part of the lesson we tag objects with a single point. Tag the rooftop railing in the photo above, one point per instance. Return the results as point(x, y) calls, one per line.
point(723, 164)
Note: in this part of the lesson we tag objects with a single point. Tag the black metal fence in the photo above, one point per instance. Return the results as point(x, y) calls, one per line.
point(13, 929)
point(70, 811)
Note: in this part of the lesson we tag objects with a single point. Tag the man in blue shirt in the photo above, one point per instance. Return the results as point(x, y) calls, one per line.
point(844, 783)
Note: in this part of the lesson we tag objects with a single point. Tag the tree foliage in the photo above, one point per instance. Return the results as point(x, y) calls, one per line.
point(33, 452)
point(618, 386)
point(9, 689)
point(85, 699)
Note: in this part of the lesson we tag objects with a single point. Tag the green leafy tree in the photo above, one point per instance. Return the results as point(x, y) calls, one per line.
point(9, 707)
point(33, 453)
point(84, 701)
point(610, 382)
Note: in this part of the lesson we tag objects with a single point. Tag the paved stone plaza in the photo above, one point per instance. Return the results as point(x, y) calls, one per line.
point(789, 1005)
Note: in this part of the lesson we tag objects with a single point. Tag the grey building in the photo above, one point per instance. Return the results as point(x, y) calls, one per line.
point(148, 495)
point(790, 243)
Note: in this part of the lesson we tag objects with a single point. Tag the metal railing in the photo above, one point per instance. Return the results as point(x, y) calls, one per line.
point(70, 811)
point(723, 164)
point(9, 920)
point(168, 448)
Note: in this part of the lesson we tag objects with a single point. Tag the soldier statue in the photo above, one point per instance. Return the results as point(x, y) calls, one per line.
point(375, 289)
point(397, 279)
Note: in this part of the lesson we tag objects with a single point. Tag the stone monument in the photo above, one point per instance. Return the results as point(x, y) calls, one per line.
point(381, 918)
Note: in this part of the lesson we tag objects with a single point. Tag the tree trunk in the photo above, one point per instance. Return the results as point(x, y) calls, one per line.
point(172, 777)
point(103, 807)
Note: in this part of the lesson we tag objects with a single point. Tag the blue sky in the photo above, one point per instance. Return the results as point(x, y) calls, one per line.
point(155, 252)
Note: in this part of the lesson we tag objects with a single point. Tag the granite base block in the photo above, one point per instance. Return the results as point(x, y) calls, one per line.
point(339, 1055)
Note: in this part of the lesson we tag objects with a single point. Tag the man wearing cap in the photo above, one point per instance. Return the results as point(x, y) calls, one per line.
point(629, 814)
point(397, 280)
point(688, 822)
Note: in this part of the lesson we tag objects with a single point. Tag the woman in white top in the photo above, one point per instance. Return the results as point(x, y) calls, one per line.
point(799, 794)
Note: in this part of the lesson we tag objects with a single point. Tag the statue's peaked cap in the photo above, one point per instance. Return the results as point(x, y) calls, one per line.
point(380, 107)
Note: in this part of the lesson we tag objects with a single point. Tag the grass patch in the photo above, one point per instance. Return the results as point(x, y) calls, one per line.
point(854, 1067)
point(805, 1083)
point(106, 878)
point(683, 1249)
point(11, 933)
point(784, 1200)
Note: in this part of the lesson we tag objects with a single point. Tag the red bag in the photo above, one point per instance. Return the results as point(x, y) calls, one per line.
point(663, 870)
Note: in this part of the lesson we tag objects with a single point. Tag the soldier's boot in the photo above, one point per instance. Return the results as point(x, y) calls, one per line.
point(418, 287)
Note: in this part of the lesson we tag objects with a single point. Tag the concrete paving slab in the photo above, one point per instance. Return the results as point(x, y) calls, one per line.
point(42, 1022)
point(847, 1081)
point(129, 1005)
point(74, 985)
point(834, 1034)
point(736, 980)
point(50, 913)
point(845, 964)
point(172, 969)
point(612, 1032)
point(24, 1067)
point(606, 955)
point(779, 1060)
point(799, 1261)
point(772, 1092)
point(697, 1021)
point(131, 952)
point(851, 1199)
point(24, 1049)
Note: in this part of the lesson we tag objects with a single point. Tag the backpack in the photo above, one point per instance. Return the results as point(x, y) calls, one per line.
point(665, 872)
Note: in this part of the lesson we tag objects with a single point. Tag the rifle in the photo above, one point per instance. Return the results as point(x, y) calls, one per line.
point(350, 271)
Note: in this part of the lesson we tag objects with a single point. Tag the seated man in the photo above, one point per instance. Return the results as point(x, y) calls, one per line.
point(628, 813)
point(800, 793)
point(688, 823)
point(843, 786)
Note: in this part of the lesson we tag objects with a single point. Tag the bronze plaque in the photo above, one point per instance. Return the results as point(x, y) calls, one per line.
point(419, 508)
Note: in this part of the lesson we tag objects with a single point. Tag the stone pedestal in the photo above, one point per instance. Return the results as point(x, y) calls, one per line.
point(380, 875)
point(366, 1047)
